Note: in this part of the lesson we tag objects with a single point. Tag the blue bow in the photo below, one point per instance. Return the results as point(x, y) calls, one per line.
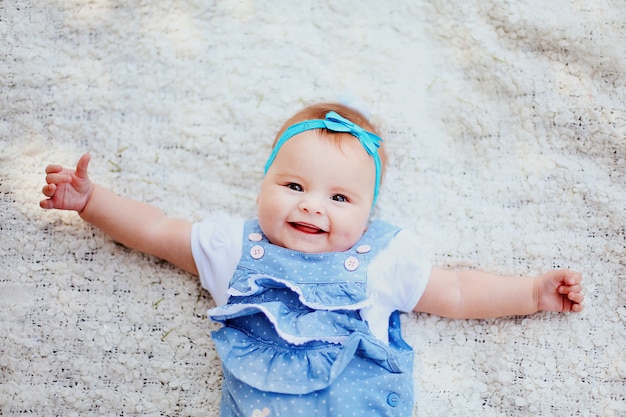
point(336, 123)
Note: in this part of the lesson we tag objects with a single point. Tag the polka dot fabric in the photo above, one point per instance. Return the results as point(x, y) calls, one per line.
point(294, 343)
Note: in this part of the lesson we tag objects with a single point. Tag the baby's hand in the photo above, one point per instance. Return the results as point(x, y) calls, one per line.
point(67, 189)
point(560, 291)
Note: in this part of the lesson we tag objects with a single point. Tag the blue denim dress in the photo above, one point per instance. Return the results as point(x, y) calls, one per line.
point(293, 342)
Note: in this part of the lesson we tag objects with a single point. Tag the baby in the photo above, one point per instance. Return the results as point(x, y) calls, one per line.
point(309, 292)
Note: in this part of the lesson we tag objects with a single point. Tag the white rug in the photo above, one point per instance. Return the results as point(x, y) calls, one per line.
point(506, 126)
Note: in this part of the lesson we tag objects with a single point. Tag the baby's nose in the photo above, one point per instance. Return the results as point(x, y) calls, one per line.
point(311, 205)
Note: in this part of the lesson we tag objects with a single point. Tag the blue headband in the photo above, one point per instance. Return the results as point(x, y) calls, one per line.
point(335, 123)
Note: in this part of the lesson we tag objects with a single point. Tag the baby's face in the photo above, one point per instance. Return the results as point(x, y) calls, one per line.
point(316, 197)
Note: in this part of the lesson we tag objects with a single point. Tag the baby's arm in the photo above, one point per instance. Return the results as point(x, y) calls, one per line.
point(476, 294)
point(136, 225)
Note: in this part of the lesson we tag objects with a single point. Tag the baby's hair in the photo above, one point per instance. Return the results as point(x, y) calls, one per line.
point(318, 111)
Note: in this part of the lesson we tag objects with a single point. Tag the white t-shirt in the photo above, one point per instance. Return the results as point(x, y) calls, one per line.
point(396, 276)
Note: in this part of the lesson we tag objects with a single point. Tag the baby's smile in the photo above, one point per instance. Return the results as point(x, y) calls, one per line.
point(306, 228)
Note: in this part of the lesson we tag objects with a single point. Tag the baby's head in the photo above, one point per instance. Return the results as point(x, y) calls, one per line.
point(321, 180)
point(319, 112)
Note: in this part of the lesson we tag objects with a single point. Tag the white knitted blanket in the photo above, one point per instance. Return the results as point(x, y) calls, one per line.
point(506, 127)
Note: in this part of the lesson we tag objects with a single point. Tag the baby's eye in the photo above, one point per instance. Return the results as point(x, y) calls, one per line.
point(295, 187)
point(340, 198)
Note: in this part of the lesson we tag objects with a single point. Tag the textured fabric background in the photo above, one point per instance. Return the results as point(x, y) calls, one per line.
point(506, 127)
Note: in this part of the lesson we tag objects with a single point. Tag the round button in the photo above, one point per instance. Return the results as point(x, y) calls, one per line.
point(363, 249)
point(393, 399)
point(257, 252)
point(351, 263)
point(255, 237)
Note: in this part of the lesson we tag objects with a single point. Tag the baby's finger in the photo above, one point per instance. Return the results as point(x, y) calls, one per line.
point(573, 278)
point(82, 165)
point(46, 204)
point(576, 297)
point(49, 189)
point(566, 289)
point(53, 168)
point(56, 178)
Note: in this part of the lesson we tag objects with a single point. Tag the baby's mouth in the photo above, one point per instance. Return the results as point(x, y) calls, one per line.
point(306, 228)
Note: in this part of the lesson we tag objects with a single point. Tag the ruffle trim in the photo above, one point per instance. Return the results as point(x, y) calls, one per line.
point(288, 369)
point(334, 296)
point(295, 326)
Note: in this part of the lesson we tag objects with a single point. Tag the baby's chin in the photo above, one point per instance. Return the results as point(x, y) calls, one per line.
point(316, 247)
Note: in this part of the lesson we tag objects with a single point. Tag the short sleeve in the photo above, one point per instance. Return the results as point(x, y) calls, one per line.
point(216, 248)
point(396, 280)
